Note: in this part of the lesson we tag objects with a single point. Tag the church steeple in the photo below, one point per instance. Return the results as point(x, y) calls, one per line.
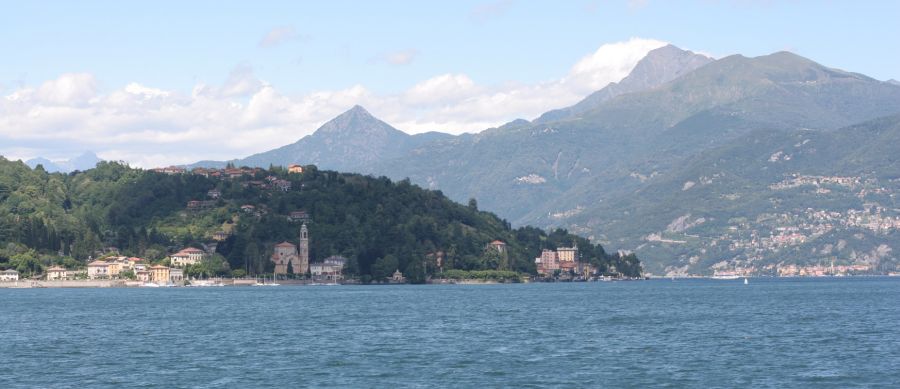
point(303, 250)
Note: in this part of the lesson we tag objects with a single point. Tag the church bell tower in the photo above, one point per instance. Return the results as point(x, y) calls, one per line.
point(303, 250)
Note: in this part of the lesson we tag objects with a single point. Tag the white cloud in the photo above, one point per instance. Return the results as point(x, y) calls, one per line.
point(610, 63)
point(68, 89)
point(443, 89)
point(148, 127)
point(277, 36)
point(241, 82)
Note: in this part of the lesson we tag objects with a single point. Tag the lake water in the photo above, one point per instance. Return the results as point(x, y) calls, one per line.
point(684, 333)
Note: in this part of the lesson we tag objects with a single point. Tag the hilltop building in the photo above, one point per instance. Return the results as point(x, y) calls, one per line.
point(499, 245)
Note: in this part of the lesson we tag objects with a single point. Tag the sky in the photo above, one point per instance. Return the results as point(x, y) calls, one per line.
point(156, 83)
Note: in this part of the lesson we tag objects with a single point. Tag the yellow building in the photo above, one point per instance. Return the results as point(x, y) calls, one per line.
point(113, 269)
point(294, 168)
point(567, 254)
point(159, 274)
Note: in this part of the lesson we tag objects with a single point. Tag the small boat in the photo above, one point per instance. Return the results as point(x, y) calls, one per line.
point(746, 281)
point(149, 285)
point(725, 277)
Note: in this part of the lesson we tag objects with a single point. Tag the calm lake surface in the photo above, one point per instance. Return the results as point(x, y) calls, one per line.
point(684, 333)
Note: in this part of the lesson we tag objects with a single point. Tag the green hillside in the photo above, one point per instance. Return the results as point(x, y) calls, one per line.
point(379, 225)
point(828, 186)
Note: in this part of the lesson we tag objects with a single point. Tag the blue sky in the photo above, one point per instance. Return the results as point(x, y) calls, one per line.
point(311, 60)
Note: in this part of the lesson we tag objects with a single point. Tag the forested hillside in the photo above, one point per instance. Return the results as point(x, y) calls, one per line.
point(379, 225)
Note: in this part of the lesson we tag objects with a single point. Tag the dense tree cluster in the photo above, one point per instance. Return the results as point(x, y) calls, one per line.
point(379, 225)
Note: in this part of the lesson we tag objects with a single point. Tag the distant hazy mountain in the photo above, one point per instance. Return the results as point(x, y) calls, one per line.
point(353, 141)
point(658, 67)
point(85, 161)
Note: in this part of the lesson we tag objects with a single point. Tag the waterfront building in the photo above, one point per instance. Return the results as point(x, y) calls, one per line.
point(159, 274)
point(176, 275)
point(9, 275)
point(547, 263)
point(567, 254)
point(284, 254)
point(98, 270)
point(303, 251)
point(57, 273)
point(188, 256)
point(113, 268)
point(398, 277)
point(330, 269)
point(297, 256)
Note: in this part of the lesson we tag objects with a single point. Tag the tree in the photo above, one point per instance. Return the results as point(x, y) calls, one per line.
point(251, 255)
point(415, 271)
point(491, 259)
point(384, 267)
point(473, 204)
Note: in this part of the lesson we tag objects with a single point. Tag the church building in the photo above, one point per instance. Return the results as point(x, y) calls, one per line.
point(288, 253)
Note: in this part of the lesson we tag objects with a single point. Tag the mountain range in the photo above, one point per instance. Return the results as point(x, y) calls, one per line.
point(85, 161)
point(685, 161)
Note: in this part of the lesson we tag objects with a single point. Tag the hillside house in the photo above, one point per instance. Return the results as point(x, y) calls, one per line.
point(188, 256)
point(298, 216)
point(283, 185)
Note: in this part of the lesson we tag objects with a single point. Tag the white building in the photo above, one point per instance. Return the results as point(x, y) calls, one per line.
point(188, 256)
point(330, 269)
point(9, 275)
point(57, 273)
point(98, 270)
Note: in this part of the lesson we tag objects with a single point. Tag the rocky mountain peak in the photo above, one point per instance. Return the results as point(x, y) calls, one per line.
point(658, 67)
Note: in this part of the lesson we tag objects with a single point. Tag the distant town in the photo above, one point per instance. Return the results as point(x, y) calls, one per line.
point(746, 244)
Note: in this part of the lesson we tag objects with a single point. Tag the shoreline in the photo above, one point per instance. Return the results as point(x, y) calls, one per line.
point(97, 284)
